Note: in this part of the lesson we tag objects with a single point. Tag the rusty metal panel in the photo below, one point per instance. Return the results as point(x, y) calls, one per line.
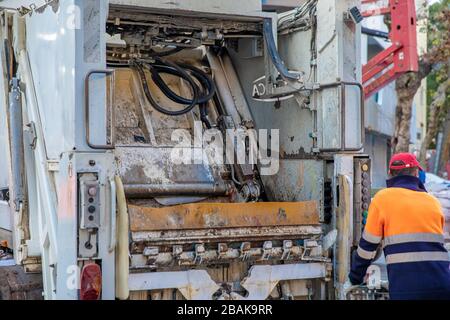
point(293, 182)
point(144, 145)
point(149, 165)
point(223, 215)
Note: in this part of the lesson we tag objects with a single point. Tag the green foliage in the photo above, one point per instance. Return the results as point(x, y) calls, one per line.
point(437, 29)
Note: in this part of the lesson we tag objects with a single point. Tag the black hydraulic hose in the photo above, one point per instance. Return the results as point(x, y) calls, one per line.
point(375, 33)
point(165, 53)
point(201, 96)
point(8, 60)
point(182, 74)
point(204, 115)
point(202, 77)
point(206, 91)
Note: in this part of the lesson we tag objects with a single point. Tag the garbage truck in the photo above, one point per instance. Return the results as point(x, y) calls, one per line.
point(185, 149)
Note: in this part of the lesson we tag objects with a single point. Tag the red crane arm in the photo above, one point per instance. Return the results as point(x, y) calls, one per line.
point(401, 56)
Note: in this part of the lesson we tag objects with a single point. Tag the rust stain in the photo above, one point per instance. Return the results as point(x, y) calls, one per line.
point(223, 215)
point(67, 192)
point(300, 174)
point(282, 214)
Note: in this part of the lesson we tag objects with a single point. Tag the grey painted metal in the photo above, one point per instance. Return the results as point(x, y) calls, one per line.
point(343, 111)
point(33, 243)
point(229, 7)
point(5, 218)
point(282, 5)
point(198, 285)
point(112, 218)
point(149, 165)
point(16, 142)
point(4, 132)
point(338, 47)
point(291, 183)
point(376, 146)
point(342, 218)
point(380, 111)
point(73, 164)
point(110, 140)
point(223, 88)
point(193, 284)
point(7, 263)
point(262, 279)
point(42, 183)
point(295, 123)
point(53, 69)
point(234, 84)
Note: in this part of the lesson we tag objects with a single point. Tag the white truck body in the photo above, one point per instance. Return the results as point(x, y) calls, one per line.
point(68, 68)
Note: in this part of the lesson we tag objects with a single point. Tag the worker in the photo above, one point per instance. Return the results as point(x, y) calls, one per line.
point(410, 223)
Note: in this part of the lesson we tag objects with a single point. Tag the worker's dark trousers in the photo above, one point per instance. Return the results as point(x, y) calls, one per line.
point(438, 295)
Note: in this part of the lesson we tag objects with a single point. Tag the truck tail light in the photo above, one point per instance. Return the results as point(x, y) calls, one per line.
point(91, 282)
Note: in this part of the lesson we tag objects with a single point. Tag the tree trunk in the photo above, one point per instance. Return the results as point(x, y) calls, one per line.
point(406, 87)
point(403, 114)
point(445, 150)
point(434, 123)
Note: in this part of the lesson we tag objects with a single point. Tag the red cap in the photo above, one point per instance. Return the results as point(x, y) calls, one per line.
point(408, 159)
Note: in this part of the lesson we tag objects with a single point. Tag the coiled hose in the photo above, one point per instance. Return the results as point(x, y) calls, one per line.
point(201, 94)
point(181, 73)
point(207, 91)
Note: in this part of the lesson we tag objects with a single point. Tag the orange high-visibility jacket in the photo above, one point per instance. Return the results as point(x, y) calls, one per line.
point(409, 223)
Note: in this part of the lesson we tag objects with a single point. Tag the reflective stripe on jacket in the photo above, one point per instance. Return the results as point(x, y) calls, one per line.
point(409, 223)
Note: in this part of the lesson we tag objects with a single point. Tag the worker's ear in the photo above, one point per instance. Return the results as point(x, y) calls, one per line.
point(416, 172)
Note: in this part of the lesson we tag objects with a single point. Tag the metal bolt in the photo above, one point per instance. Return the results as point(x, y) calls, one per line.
point(151, 251)
point(267, 245)
point(245, 250)
point(287, 244)
point(245, 246)
point(177, 250)
point(199, 248)
point(222, 248)
point(92, 191)
point(91, 163)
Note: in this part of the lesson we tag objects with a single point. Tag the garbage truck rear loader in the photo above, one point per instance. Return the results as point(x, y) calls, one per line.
point(184, 149)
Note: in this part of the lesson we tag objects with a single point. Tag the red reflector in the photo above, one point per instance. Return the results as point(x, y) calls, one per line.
point(91, 282)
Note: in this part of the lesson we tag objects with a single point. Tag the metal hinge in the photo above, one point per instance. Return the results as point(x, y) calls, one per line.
point(53, 165)
point(32, 132)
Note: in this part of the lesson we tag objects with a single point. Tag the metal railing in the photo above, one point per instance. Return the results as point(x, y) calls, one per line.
point(110, 140)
